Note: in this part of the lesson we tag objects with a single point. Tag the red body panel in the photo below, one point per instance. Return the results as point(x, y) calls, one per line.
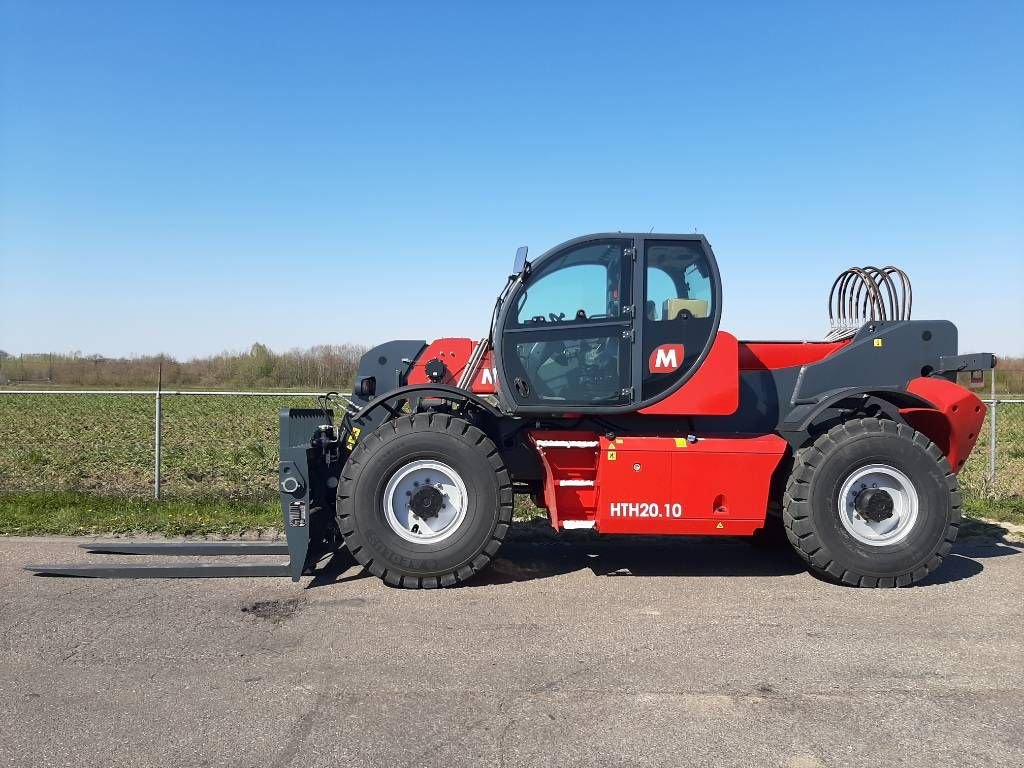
point(770, 355)
point(575, 462)
point(659, 485)
point(953, 424)
point(714, 390)
point(455, 353)
point(486, 380)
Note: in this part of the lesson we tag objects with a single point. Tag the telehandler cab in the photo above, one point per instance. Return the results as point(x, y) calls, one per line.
point(607, 392)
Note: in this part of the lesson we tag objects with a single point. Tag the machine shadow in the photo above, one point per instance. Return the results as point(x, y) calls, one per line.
point(528, 557)
point(978, 540)
point(336, 570)
point(623, 556)
point(534, 552)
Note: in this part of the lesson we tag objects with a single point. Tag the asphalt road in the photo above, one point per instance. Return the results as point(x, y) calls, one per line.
point(688, 652)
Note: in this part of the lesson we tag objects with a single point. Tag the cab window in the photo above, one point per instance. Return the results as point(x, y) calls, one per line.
point(584, 284)
point(678, 314)
point(566, 339)
point(674, 290)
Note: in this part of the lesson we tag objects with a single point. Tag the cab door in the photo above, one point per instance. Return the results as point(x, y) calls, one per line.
point(681, 308)
point(567, 331)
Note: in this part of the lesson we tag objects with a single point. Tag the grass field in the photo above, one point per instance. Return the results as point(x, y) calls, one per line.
point(1009, 483)
point(87, 460)
point(70, 513)
point(211, 446)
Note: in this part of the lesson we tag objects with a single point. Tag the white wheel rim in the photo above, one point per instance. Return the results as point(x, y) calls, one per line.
point(410, 479)
point(905, 504)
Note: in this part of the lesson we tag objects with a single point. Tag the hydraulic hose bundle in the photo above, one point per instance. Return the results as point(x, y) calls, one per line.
point(864, 294)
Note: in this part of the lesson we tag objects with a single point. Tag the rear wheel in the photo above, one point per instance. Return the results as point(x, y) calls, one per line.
point(872, 503)
point(424, 501)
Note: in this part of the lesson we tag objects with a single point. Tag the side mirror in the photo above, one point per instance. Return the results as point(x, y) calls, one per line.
point(519, 264)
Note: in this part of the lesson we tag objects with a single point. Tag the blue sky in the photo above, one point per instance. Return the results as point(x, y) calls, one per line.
point(189, 177)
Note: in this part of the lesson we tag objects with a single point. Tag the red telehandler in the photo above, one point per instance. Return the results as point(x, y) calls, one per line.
point(607, 392)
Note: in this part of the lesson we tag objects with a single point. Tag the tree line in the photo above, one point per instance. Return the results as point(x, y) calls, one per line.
point(320, 367)
point(326, 366)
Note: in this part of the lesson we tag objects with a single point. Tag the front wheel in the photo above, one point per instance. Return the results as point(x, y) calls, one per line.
point(424, 501)
point(872, 503)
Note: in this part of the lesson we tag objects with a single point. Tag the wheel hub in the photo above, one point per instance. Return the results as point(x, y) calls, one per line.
point(874, 504)
point(426, 502)
point(878, 505)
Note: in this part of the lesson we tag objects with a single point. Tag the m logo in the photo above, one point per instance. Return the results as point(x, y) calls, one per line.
point(666, 358)
point(485, 382)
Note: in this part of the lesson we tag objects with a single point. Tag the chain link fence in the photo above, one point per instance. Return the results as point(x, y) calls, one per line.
point(133, 443)
point(189, 444)
point(996, 467)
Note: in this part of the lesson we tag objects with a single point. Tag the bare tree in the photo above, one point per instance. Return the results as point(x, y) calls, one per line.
point(318, 367)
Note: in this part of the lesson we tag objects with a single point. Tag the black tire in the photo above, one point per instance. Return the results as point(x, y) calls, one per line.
point(811, 513)
point(362, 518)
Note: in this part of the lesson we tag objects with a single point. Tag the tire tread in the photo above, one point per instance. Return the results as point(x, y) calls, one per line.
point(423, 422)
point(796, 513)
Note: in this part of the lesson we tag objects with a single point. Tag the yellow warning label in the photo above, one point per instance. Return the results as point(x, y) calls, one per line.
point(611, 455)
point(720, 525)
point(877, 342)
point(681, 442)
point(618, 441)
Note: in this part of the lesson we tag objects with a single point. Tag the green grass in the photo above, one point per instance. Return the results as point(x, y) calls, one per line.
point(70, 513)
point(103, 444)
point(1009, 484)
point(75, 513)
point(227, 446)
point(89, 458)
point(1003, 510)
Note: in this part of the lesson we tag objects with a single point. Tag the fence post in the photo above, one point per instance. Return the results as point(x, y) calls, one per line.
point(156, 434)
point(992, 440)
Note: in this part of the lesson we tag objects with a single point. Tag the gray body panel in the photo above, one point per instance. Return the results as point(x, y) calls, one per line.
point(388, 364)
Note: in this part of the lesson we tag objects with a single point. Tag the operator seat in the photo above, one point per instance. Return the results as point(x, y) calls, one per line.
point(673, 308)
